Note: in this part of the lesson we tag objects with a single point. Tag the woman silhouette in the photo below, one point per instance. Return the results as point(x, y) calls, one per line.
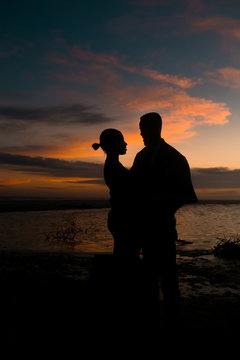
point(118, 180)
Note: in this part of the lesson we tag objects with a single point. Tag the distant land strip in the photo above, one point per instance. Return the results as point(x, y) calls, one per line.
point(8, 204)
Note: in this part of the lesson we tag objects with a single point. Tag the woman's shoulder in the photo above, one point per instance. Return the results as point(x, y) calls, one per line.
point(114, 165)
point(115, 169)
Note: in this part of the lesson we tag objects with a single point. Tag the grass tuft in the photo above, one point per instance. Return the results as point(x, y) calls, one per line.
point(66, 233)
point(228, 247)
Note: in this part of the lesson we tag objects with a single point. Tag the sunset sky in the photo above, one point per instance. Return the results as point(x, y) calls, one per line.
point(70, 69)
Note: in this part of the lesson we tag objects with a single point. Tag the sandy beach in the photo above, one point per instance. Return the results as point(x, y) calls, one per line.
point(54, 295)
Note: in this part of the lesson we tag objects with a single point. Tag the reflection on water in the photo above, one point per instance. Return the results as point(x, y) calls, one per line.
point(203, 224)
point(199, 224)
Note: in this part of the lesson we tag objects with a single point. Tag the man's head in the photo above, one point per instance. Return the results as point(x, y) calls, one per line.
point(150, 126)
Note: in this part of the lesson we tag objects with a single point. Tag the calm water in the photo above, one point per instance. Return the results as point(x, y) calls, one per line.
point(199, 224)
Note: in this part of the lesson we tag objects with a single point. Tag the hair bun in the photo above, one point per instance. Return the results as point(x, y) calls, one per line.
point(96, 146)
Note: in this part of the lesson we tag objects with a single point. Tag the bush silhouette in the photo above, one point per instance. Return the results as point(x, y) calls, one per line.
point(228, 247)
point(66, 232)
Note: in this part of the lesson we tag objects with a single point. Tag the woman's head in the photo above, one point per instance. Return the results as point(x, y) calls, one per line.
point(112, 141)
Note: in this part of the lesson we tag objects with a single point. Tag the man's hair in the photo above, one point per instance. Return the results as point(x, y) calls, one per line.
point(152, 120)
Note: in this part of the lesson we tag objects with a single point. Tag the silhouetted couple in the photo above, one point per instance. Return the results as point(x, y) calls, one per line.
point(144, 201)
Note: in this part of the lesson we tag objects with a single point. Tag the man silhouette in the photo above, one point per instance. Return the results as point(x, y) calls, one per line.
point(163, 184)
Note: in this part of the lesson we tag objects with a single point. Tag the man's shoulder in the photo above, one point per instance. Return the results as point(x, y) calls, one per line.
point(171, 151)
point(141, 153)
point(173, 156)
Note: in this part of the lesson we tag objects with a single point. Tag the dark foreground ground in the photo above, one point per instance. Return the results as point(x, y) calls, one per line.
point(56, 299)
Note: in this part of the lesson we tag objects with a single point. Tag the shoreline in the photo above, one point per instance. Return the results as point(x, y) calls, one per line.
point(57, 283)
point(200, 272)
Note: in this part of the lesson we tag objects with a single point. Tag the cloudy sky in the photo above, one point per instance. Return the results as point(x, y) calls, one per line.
point(70, 69)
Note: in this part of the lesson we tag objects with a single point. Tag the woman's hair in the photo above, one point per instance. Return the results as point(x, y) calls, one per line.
point(96, 146)
point(108, 139)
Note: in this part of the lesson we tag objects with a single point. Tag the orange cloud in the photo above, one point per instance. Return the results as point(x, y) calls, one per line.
point(74, 180)
point(181, 112)
point(88, 67)
point(86, 55)
point(227, 27)
point(227, 76)
point(178, 80)
point(14, 181)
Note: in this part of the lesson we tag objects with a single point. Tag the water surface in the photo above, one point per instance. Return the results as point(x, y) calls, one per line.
point(200, 224)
